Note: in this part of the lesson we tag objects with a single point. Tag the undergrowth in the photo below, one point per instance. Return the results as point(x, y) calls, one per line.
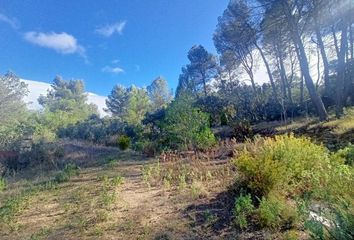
point(193, 175)
point(15, 204)
point(287, 178)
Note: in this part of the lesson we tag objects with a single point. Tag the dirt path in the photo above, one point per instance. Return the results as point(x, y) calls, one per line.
point(92, 206)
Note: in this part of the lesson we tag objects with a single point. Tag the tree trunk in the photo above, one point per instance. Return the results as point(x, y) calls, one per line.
point(205, 88)
point(324, 59)
point(252, 82)
point(340, 90)
point(302, 90)
point(351, 39)
point(304, 65)
point(348, 79)
point(249, 72)
point(335, 40)
point(285, 79)
point(282, 78)
point(204, 84)
point(271, 79)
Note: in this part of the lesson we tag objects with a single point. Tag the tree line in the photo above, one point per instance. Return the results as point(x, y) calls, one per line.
point(282, 36)
point(295, 41)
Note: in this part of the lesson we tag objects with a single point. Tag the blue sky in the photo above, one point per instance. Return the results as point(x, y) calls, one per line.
point(104, 42)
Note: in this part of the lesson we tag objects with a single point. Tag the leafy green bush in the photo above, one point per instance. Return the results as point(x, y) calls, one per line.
point(186, 127)
point(347, 154)
point(243, 209)
point(205, 138)
point(149, 148)
point(269, 212)
point(286, 164)
point(124, 142)
point(276, 212)
point(2, 184)
point(288, 175)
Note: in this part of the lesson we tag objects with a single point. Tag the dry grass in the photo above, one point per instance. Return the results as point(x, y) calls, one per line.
point(111, 201)
point(344, 124)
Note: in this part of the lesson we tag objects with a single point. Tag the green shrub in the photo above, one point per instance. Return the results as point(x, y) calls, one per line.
point(111, 162)
point(14, 205)
point(149, 148)
point(117, 180)
point(205, 138)
point(147, 174)
point(287, 175)
point(242, 131)
point(291, 235)
point(186, 127)
point(286, 164)
point(59, 152)
point(224, 119)
point(108, 198)
point(2, 184)
point(340, 217)
point(269, 212)
point(344, 223)
point(347, 154)
point(69, 171)
point(124, 142)
point(315, 228)
point(243, 209)
point(275, 212)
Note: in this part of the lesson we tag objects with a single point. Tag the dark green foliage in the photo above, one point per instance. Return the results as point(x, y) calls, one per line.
point(344, 223)
point(316, 229)
point(194, 79)
point(242, 131)
point(117, 101)
point(275, 212)
point(68, 97)
point(224, 119)
point(65, 104)
point(128, 104)
point(94, 129)
point(69, 171)
point(12, 91)
point(41, 154)
point(347, 154)
point(147, 147)
point(243, 210)
point(2, 184)
point(13, 112)
point(220, 110)
point(124, 142)
point(186, 127)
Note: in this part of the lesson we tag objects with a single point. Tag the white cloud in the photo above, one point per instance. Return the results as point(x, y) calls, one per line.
point(110, 29)
point(10, 21)
point(37, 88)
point(60, 42)
point(115, 70)
point(98, 100)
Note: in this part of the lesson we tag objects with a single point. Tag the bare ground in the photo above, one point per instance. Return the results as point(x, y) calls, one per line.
point(86, 207)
